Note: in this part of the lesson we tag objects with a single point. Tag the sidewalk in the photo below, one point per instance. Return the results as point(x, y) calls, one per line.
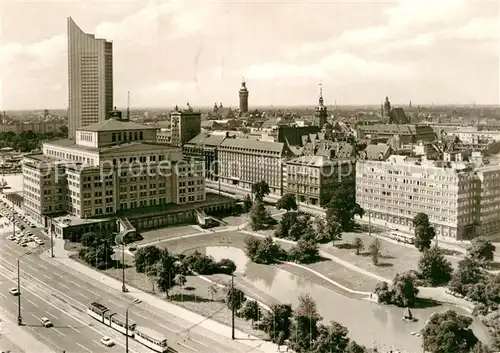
point(18, 336)
point(255, 343)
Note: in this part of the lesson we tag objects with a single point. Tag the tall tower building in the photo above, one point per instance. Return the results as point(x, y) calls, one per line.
point(90, 78)
point(387, 108)
point(321, 114)
point(243, 97)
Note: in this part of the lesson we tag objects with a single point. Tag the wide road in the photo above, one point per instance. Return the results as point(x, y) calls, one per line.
point(62, 294)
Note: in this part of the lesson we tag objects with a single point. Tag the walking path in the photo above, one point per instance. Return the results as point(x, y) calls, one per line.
point(256, 344)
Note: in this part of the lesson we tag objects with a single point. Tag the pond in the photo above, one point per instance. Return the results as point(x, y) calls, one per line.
point(368, 323)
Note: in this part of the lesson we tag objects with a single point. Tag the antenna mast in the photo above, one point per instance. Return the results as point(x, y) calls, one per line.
point(128, 105)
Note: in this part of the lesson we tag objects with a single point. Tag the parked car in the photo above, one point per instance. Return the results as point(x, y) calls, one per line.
point(14, 291)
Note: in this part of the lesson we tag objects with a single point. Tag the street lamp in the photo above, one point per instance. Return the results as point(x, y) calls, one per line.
point(232, 304)
point(19, 317)
point(119, 240)
point(136, 301)
point(51, 238)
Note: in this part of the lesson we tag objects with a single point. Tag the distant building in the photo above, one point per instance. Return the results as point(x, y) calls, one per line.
point(90, 72)
point(243, 94)
point(407, 133)
point(185, 125)
point(321, 112)
point(393, 115)
point(37, 127)
point(293, 135)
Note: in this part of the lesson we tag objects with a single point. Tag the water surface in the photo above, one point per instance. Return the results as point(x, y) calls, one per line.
point(368, 323)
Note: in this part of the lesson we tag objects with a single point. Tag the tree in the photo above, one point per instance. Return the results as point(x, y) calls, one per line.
point(306, 251)
point(252, 245)
point(424, 232)
point(260, 190)
point(235, 298)
point(332, 230)
point(287, 202)
point(448, 332)
point(482, 250)
point(251, 311)
point(343, 207)
point(357, 244)
point(479, 348)
point(375, 249)
point(268, 251)
point(151, 272)
point(200, 263)
point(467, 274)
point(258, 215)
point(277, 322)
point(226, 266)
point(145, 257)
point(285, 225)
point(247, 203)
point(434, 267)
point(404, 290)
point(331, 339)
point(353, 347)
point(384, 293)
point(166, 271)
point(306, 322)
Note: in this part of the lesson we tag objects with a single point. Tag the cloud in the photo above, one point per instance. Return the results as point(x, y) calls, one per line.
point(339, 64)
point(41, 54)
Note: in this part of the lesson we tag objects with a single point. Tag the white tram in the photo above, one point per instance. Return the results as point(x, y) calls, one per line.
point(109, 318)
point(151, 339)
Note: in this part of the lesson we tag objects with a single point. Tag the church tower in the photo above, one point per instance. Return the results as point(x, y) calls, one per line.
point(321, 113)
point(243, 98)
point(387, 108)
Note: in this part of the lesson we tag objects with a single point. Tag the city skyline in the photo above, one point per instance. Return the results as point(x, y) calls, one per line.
point(168, 53)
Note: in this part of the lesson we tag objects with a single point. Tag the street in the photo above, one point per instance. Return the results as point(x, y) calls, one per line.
point(51, 290)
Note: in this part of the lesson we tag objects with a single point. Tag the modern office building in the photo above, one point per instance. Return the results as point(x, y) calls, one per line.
point(90, 78)
point(461, 201)
point(204, 147)
point(113, 169)
point(184, 125)
point(313, 179)
point(243, 162)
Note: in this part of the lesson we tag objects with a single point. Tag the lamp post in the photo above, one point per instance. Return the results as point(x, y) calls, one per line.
point(136, 301)
point(19, 317)
point(232, 306)
point(51, 238)
point(119, 240)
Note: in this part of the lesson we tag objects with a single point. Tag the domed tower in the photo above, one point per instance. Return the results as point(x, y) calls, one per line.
point(321, 113)
point(387, 108)
point(243, 98)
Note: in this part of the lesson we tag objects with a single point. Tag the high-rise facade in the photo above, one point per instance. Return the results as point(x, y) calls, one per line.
point(90, 78)
point(243, 98)
point(184, 125)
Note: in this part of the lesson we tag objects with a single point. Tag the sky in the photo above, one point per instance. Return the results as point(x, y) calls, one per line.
point(169, 53)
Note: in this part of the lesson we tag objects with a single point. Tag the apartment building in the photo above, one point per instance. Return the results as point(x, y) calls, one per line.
point(113, 166)
point(243, 162)
point(313, 179)
point(395, 190)
point(461, 201)
point(38, 127)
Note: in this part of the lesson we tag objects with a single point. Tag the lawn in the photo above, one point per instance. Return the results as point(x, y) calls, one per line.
point(396, 258)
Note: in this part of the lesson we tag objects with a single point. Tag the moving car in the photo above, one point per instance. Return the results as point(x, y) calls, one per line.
point(14, 291)
point(46, 322)
point(108, 342)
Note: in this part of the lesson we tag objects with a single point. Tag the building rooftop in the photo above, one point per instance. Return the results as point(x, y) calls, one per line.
point(134, 146)
point(254, 145)
point(115, 125)
point(315, 161)
point(375, 152)
point(207, 139)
